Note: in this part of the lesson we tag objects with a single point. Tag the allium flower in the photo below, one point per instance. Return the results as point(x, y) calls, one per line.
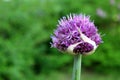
point(76, 34)
point(101, 13)
point(112, 2)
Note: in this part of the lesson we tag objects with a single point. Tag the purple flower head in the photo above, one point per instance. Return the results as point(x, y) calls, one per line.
point(76, 34)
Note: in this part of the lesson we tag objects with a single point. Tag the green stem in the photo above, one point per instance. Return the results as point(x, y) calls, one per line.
point(77, 67)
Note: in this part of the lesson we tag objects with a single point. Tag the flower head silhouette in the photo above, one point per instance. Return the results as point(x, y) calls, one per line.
point(76, 34)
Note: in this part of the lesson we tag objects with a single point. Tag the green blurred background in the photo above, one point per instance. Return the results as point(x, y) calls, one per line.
point(25, 30)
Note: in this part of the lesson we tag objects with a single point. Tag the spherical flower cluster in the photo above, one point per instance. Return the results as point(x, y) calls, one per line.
point(76, 34)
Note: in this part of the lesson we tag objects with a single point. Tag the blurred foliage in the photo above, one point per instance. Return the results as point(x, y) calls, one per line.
point(26, 27)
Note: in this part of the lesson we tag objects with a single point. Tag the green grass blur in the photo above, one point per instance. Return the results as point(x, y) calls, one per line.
point(25, 30)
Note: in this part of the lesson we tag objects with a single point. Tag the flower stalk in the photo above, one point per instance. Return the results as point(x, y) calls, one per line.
point(77, 67)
